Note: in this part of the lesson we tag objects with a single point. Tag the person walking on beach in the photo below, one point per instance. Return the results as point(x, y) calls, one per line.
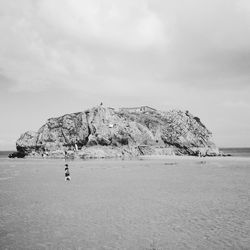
point(67, 174)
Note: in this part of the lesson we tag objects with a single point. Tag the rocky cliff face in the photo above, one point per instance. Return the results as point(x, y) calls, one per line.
point(103, 132)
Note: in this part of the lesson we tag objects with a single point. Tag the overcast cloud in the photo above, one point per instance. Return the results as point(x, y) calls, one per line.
point(188, 54)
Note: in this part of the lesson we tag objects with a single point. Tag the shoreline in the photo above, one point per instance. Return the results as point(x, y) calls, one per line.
point(139, 158)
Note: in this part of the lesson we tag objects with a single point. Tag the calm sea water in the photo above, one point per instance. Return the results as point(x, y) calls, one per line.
point(4, 154)
point(237, 152)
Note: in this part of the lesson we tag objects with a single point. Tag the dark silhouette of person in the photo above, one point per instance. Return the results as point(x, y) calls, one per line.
point(67, 174)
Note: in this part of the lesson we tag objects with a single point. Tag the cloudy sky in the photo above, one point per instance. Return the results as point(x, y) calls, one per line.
point(63, 56)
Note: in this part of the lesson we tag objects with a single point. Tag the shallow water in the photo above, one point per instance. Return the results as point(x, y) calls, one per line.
point(237, 152)
point(136, 204)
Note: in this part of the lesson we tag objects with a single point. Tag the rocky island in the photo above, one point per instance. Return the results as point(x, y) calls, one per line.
point(101, 132)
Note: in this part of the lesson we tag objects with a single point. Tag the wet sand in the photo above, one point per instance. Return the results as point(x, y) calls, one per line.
point(153, 203)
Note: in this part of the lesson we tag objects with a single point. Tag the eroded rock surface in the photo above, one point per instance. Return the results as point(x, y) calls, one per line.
point(102, 132)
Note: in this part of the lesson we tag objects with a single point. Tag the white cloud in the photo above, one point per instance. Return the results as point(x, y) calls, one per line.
point(128, 24)
point(79, 44)
point(68, 43)
point(239, 104)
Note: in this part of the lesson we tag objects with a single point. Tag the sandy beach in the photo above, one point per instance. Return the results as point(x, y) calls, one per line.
point(150, 203)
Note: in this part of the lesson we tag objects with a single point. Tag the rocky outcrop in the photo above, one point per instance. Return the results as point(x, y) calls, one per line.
point(27, 142)
point(102, 132)
point(178, 129)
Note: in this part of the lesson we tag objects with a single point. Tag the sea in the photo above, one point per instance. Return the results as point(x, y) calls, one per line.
point(236, 152)
point(4, 154)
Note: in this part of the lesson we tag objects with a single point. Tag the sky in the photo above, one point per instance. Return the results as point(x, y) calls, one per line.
point(64, 56)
